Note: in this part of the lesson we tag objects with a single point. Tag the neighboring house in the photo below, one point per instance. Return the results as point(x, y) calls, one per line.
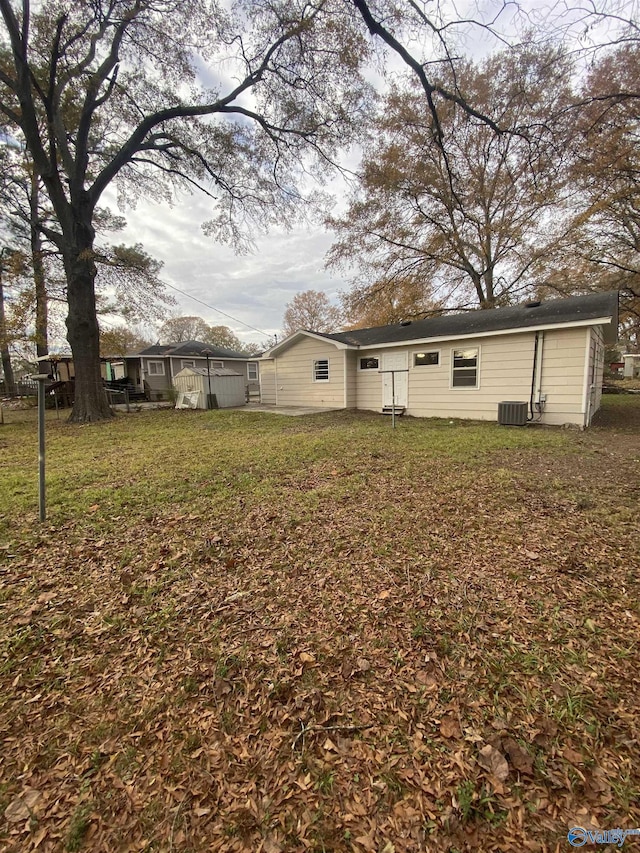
point(549, 355)
point(152, 369)
point(64, 369)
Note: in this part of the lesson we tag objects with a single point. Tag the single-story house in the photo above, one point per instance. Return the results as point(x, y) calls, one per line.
point(64, 369)
point(152, 369)
point(548, 355)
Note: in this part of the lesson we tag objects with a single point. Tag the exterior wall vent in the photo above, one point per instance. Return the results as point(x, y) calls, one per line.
point(512, 413)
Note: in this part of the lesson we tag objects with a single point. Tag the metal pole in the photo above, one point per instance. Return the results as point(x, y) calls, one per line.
point(208, 381)
point(393, 399)
point(41, 501)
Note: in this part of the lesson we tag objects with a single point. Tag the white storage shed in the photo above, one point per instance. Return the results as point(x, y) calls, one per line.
point(193, 384)
point(631, 365)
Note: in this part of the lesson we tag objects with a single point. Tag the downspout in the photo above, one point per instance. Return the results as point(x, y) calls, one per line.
point(344, 375)
point(534, 373)
point(539, 401)
point(536, 404)
point(586, 395)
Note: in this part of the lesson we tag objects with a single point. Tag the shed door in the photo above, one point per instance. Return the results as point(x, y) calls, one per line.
point(396, 361)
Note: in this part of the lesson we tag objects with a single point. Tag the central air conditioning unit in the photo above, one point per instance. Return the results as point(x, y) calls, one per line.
point(512, 413)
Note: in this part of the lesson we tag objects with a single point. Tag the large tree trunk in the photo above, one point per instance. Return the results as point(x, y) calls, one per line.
point(9, 381)
point(82, 330)
point(42, 320)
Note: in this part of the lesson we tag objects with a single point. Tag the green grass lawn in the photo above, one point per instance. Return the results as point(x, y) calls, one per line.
point(245, 632)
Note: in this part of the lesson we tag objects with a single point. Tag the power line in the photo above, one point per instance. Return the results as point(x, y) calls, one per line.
point(213, 308)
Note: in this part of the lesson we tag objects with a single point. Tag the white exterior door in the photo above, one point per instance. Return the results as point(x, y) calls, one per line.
point(397, 383)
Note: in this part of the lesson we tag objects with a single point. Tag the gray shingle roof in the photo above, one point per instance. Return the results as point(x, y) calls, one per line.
point(555, 311)
point(192, 348)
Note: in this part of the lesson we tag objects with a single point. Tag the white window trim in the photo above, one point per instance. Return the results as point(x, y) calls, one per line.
point(187, 362)
point(313, 371)
point(475, 387)
point(159, 364)
point(369, 369)
point(216, 364)
point(255, 378)
point(414, 353)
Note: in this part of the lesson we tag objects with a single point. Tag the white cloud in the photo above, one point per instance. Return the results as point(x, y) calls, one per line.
point(254, 288)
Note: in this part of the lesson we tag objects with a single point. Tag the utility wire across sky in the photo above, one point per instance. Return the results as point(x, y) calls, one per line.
point(213, 308)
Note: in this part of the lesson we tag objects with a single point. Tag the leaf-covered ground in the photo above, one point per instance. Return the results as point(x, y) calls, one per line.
point(245, 632)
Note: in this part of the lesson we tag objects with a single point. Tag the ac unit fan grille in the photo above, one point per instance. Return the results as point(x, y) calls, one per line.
point(512, 413)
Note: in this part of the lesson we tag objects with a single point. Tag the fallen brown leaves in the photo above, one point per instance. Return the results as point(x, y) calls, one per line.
point(388, 652)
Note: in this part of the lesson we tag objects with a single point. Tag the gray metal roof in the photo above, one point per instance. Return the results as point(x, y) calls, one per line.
point(556, 311)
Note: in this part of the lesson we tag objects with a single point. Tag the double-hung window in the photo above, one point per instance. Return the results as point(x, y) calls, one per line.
point(321, 370)
point(155, 368)
point(464, 368)
point(252, 371)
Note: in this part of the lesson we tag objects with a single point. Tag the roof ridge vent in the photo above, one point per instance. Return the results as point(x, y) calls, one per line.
point(405, 322)
point(533, 303)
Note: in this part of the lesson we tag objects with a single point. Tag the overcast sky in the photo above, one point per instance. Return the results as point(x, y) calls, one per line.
point(253, 288)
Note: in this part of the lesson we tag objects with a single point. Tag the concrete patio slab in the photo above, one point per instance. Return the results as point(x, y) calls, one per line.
point(290, 411)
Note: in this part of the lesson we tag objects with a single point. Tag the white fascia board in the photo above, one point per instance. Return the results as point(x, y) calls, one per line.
point(517, 331)
point(287, 342)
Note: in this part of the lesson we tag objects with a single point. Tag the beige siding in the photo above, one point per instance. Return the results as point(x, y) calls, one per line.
point(505, 373)
point(502, 377)
point(595, 373)
point(563, 375)
point(369, 383)
point(351, 365)
point(268, 382)
point(295, 383)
